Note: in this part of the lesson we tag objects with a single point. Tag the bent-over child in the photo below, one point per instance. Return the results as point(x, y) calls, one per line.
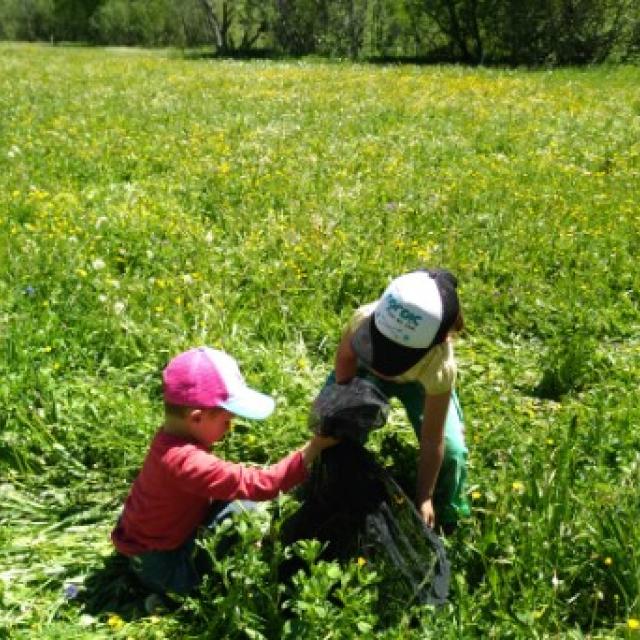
point(403, 344)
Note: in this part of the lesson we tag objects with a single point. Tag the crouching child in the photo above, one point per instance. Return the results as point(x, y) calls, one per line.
point(183, 486)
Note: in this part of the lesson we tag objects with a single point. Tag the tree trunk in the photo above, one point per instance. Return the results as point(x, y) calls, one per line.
point(219, 25)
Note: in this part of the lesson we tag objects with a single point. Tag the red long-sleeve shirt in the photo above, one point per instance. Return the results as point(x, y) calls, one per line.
point(173, 492)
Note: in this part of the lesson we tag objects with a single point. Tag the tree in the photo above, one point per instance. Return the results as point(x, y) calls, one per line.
point(72, 19)
point(461, 21)
point(583, 31)
point(27, 19)
point(297, 24)
point(236, 26)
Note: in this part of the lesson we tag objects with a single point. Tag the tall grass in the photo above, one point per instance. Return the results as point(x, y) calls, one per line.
point(153, 203)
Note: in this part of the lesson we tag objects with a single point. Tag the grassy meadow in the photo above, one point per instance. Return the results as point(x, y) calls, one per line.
point(149, 203)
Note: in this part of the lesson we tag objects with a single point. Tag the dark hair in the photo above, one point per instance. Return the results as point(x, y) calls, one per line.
point(176, 410)
point(447, 285)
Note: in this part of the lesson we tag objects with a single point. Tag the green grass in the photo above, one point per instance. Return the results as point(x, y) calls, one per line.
point(151, 203)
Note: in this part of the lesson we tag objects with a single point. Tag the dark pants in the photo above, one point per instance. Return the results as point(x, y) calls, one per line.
point(181, 570)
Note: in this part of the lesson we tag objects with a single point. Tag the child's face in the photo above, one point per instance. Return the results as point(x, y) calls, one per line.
point(210, 425)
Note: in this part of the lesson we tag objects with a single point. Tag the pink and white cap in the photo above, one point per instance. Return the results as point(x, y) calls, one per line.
point(206, 378)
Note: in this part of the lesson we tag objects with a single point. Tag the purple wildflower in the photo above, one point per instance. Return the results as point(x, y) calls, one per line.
point(71, 591)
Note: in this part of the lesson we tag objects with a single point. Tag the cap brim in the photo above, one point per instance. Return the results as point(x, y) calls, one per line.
point(250, 404)
point(380, 354)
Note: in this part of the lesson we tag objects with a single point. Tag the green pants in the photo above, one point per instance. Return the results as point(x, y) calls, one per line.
point(449, 498)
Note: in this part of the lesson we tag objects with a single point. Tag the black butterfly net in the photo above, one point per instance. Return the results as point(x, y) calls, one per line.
point(349, 410)
point(354, 506)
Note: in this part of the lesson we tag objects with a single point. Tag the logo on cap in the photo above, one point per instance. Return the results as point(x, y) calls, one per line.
point(395, 306)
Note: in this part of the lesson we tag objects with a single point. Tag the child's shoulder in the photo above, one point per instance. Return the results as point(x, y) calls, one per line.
point(175, 453)
point(164, 443)
point(360, 314)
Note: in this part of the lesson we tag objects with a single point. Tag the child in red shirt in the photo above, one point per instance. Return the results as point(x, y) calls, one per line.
point(181, 485)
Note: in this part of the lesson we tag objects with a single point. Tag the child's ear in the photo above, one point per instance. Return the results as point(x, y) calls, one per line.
point(195, 416)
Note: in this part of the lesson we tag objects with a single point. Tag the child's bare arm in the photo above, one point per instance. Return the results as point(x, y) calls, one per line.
point(315, 447)
point(346, 364)
point(431, 453)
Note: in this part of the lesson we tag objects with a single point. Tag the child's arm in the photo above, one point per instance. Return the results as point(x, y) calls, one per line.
point(315, 447)
point(346, 363)
point(431, 452)
point(204, 474)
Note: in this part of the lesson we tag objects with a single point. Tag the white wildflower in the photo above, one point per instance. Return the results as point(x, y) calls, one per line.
point(86, 620)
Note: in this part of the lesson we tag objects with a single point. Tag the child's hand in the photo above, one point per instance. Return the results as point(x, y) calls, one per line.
point(315, 447)
point(427, 513)
point(324, 442)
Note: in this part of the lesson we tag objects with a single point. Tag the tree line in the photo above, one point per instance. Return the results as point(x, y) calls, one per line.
point(528, 32)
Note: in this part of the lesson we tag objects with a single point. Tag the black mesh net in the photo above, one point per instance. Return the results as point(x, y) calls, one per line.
point(352, 504)
point(349, 410)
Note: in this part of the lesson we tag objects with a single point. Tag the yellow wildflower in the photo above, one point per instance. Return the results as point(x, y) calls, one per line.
point(517, 486)
point(633, 624)
point(115, 621)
